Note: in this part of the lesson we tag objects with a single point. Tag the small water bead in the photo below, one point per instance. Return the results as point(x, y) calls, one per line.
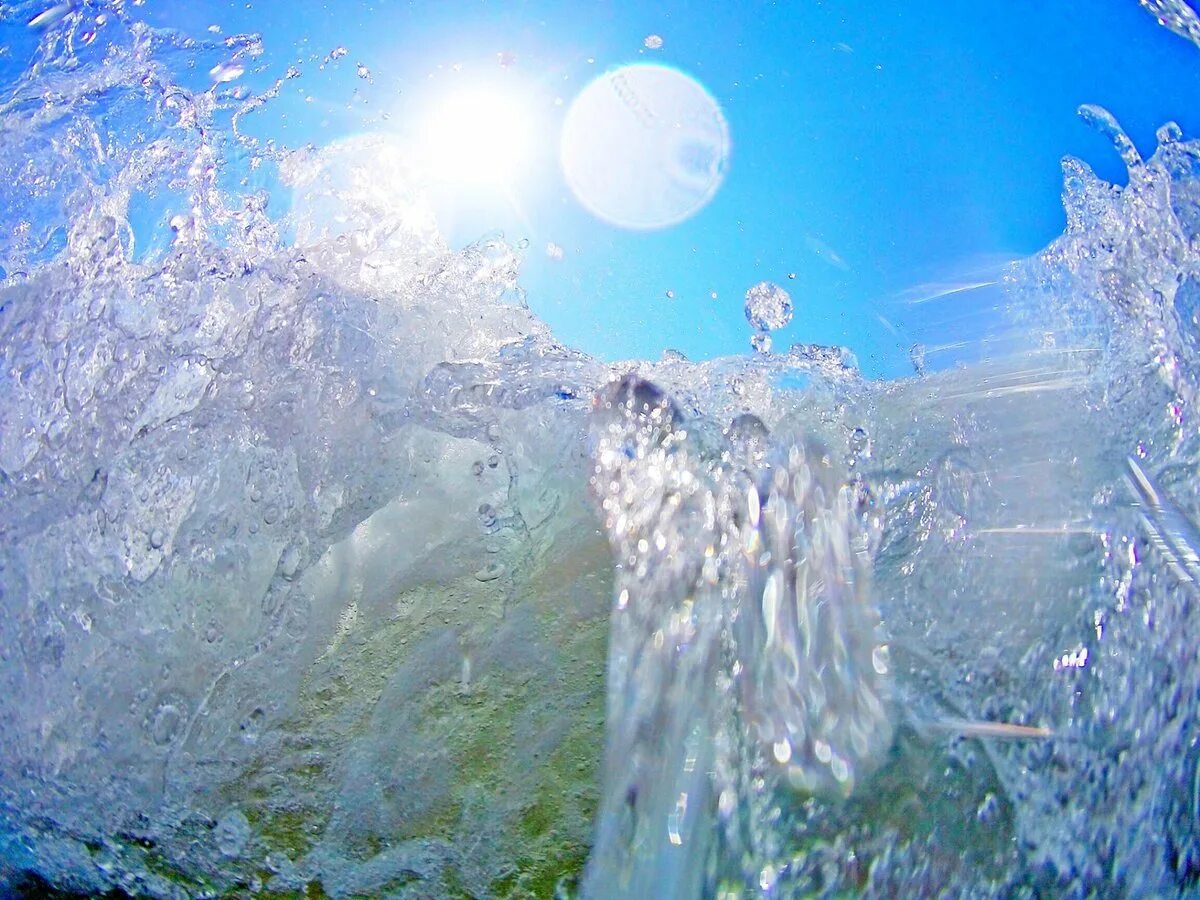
point(477, 468)
point(761, 342)
point(363, 72)
point(222, 73)
point(653, 42)
point(670, 295)
point(916, 355)
point(157, 538)
point(768, 306)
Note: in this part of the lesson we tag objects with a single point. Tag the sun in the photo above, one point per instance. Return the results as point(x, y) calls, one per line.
point(479, 137)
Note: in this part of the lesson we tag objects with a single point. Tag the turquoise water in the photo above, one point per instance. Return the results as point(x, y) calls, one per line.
point(498, 452)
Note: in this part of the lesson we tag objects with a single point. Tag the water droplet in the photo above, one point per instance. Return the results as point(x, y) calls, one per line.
point(487, 517)
point(477, 468)
point(653, 42)
point(554, 251)
point(232, 833)
point(225, 72)
point(916, 355)
point(157, 538)
point(50, 16)
point(670, 295)
point(338, 52)
point(166, 723)
point(363, 72)
point(490, 572)
point(768, 306)
point(761, 342)
point(988, 809)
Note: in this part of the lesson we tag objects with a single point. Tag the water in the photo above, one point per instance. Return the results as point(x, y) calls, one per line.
point(326, 567)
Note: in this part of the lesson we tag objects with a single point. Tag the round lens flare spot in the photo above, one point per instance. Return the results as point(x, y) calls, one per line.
point(478, 137)
point(644, 147)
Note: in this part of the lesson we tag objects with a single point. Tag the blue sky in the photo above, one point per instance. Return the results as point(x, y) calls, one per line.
point(876, 146)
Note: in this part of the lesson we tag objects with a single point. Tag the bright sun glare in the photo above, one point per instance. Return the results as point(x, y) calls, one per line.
point(478, 137)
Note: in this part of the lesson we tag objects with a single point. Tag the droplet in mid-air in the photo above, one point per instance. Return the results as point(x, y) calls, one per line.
point(761, 342)
point(653, 42)
point(644, 147)
point(768, 306)
point(226, 72)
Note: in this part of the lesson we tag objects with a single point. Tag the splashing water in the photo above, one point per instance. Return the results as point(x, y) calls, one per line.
point(302, 588)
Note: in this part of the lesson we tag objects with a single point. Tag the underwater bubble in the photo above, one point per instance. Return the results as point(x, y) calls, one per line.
point(644, 147)
point(167, 721)
point(232, 833)
point(487, 516)
point(768, 306)
point(490, 572)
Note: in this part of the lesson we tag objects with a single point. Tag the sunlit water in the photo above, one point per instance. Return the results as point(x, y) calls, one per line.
point(325, 568)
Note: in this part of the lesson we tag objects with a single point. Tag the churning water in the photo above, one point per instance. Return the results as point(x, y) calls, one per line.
point(326, 569)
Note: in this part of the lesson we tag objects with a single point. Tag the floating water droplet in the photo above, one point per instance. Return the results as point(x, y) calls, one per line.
point(761, 342)
point(50, 16)
point(338, 52)
point(157, 538)
point(363, 72)
point(670, 295)
point(226, 72)
point(916, 355)
point(554, 251)
point(653, 42)
point(768, 306)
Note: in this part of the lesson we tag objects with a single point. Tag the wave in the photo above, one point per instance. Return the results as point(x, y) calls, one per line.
point(325, 563)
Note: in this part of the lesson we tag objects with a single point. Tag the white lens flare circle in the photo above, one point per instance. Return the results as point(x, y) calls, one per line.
point(478, 137)
point(644, 147)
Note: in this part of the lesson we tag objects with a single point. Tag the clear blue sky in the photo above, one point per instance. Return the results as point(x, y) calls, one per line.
point(918, 141)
